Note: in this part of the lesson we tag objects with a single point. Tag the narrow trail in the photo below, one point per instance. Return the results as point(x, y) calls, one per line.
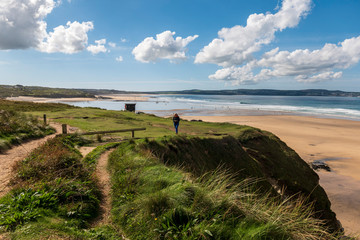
point(18, 153)
point(105, 187)
point(15, 154)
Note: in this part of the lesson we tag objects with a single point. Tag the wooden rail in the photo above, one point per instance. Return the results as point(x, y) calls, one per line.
point(132, 130)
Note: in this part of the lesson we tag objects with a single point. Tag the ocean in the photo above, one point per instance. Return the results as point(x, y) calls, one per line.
point(222, 105)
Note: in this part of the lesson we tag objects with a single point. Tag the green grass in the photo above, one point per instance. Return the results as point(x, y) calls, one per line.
point(251, 153)
point(164, 186)
point(95, 119)
point(55, 194)
point(19, 106)
point(18, 90)
point(52, 183)
point(17, 127)
point(155, 201)
point(91, 158)
point(91, 119)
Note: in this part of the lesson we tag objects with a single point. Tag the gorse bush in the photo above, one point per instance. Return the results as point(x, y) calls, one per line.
point(16, 127)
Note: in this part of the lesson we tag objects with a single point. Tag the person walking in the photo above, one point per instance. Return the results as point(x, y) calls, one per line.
point(176, 120)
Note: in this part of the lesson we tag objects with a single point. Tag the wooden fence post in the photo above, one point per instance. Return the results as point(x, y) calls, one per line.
point(44, 119)
point(64, 129)
point(133, 134)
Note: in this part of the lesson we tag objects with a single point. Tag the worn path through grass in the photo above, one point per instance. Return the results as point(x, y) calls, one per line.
point(17, 153)
point(105, 188)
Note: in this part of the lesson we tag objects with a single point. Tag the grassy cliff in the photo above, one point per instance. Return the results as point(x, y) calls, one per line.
point(251, 154)
point(159, 193)
point(213, 181)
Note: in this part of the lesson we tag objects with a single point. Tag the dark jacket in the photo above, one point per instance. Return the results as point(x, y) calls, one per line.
point(176, 119)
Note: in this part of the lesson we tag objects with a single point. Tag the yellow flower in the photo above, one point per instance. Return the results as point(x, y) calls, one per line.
point(155, 219)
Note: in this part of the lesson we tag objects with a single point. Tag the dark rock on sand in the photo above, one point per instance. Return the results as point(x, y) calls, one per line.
point(316, 165)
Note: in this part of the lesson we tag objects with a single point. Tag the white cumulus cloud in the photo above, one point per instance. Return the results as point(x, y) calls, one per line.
point(165, 46)
point(319, 77)
point(302, 64)
point(68, 39)
point(23, 25)
point(21, 22)
point(98, 48)
point(112, 44)
point(235, 46)
point(119, 59)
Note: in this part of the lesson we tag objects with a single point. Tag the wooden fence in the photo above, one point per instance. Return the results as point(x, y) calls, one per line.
point(132, 130)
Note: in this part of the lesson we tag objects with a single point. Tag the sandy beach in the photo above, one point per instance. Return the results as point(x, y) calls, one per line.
point(113, 97)
point(335, 141)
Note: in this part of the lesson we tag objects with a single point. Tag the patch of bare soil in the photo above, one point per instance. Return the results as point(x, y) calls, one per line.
point(105, 187)
point(86, 150)
point(3, 236)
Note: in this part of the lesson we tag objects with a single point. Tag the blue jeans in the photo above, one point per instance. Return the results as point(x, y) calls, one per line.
point(176, 125)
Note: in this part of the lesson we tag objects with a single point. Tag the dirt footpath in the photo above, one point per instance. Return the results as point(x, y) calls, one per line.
point(105, 187)
point(17, 153)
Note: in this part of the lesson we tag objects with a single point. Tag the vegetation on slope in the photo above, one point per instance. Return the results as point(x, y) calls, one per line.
point(18, 106)
point(55, 195)
point(16, 127)
point(147, 181)
point(252, 154)
point(19, 90)
point(156, 201)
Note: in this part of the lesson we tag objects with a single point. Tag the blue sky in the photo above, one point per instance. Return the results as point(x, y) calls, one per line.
point(146, 45)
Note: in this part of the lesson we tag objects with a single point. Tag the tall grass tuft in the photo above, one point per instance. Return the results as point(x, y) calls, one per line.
point(16, 127)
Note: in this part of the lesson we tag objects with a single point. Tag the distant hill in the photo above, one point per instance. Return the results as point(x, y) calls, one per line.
point(35, 91)
point(267, 92)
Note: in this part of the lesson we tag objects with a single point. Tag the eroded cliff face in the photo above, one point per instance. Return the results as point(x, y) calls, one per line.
point(284, 168)
point(252, 154)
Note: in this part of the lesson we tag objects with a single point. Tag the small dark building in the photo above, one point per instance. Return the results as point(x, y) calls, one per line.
point(130, 107)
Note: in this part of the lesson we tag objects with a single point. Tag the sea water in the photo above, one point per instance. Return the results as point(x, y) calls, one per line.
point(163, 105)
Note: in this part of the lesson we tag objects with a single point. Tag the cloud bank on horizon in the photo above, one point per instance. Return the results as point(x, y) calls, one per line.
point(23, 26)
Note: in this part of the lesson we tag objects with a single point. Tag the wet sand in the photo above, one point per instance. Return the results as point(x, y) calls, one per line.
point(335, 141)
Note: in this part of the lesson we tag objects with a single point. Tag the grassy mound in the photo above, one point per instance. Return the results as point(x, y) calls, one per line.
point(288, 172)
point(252, 154)
point(156, 201)
point(16, 127)
point(54, 191)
